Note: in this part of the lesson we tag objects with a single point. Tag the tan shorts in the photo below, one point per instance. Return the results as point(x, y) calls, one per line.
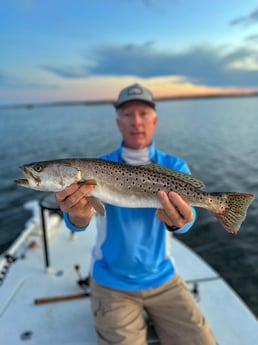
point(176, 317)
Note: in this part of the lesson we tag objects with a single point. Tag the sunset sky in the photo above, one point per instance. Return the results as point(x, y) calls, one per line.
point(54, 50)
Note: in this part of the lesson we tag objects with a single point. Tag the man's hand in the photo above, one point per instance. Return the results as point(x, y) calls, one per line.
point(175, 212)
point(73, 200)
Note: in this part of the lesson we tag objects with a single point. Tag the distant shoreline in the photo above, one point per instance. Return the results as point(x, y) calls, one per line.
point(111, 101)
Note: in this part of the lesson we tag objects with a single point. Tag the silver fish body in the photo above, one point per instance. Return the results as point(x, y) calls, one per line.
point(134, 186)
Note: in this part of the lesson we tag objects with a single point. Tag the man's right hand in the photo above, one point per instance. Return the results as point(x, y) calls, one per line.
point(73, 200)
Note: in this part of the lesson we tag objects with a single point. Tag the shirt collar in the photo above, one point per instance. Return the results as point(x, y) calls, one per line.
point(152, 152)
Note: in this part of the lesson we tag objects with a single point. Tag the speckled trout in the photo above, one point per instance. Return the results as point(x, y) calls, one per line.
point(124, 185)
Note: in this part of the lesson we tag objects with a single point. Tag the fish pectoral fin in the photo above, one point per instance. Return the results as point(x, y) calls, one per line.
point(97, 205)
point(91, 181)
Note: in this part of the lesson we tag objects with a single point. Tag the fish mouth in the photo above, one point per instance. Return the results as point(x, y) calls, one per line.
point(29, 177)
point(22, 182)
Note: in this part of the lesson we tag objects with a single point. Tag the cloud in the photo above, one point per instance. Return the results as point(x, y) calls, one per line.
point(203, 65)
point(66, 71)
point(251, 18)
point(252, 38)
point(152, 4)
point(7, 81)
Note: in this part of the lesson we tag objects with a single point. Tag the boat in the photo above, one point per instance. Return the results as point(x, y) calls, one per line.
point(44, 291)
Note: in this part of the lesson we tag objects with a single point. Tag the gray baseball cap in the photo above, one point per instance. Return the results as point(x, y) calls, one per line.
point(135, 92)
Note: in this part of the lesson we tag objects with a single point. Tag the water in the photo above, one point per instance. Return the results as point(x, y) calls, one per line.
point(217, 137)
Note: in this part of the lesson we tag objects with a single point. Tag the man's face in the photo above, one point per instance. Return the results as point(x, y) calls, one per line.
point(137, 122)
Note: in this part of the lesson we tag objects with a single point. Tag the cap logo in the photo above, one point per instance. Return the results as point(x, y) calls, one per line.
point(134, 91)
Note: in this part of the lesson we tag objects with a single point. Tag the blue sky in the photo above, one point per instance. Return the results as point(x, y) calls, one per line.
point(81, 49)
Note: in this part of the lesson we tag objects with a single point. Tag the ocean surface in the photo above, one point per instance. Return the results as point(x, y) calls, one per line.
point(217, 137)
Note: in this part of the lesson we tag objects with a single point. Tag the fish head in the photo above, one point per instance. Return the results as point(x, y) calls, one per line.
point(51, 176)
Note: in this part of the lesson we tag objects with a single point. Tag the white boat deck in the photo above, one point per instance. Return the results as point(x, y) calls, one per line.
point(70, 322)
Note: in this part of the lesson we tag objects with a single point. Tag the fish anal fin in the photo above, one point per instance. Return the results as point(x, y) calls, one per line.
point(193, 181)
point(97, 205)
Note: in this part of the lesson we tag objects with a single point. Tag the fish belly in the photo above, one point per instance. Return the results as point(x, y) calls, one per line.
point(130, 200)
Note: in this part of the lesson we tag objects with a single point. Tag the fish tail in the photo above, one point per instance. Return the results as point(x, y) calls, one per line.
point(233, 210)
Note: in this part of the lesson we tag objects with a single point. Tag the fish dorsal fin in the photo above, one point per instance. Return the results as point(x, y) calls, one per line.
point(193, 181)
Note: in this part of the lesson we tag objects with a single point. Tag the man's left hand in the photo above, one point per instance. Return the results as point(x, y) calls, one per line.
point(175, 212)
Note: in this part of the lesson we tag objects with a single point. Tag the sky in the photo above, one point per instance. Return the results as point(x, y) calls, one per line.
point(55, 50)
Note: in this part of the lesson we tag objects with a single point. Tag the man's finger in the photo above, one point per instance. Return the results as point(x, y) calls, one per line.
point(78, 195)
point(182, 207)
point(60, 196)
point(175, 210)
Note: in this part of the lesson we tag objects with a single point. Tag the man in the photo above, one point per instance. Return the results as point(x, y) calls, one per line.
point(131, 269)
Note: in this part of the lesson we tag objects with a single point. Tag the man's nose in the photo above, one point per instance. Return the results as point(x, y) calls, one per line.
point(137, 120)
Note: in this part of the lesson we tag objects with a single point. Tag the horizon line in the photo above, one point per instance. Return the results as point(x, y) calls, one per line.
point(31, 105)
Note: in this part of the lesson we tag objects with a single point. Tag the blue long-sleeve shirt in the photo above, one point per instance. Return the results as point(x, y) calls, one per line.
point(131, 247)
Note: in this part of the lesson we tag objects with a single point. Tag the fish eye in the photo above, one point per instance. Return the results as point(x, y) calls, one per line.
point(38, 168)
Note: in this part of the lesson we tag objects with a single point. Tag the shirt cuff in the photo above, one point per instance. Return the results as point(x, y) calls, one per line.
point(70, 226)
point(172, 228)
point(184, 228)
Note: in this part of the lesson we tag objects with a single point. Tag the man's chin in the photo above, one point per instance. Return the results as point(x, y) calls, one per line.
point(137, 145)
point(136, 142)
